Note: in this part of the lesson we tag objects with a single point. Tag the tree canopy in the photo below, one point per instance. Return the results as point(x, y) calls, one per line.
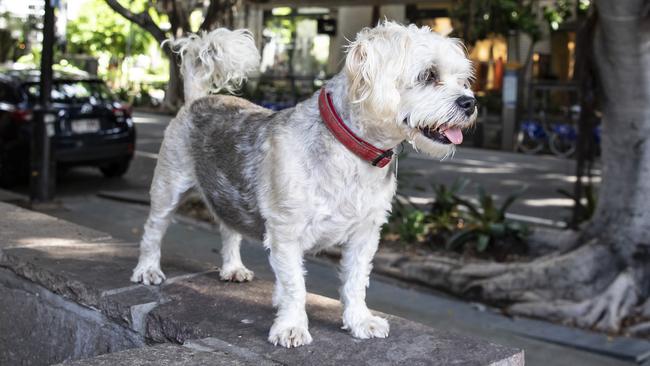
point(98, 29)
point(482, 18)
point(149, 15)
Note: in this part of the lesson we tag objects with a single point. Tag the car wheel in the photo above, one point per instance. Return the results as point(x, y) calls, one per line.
point(116, 168)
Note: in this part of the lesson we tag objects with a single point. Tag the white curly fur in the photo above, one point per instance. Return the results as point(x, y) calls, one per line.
point(215, 61)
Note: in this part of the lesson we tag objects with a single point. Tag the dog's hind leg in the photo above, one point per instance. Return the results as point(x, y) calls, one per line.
point(232, 268)
point(172, 178)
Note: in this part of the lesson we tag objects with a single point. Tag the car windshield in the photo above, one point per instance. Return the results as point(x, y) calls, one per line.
point(73, 92)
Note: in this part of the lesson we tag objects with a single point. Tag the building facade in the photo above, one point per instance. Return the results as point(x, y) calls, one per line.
point(304, 41)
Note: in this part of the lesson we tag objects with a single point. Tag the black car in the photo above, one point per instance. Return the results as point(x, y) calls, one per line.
point(91, 128)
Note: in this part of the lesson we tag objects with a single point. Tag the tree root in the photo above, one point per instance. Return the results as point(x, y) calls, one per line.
point(639, 330)
point(586, 287)
point(604, 312)
point(644, 310)
point(572, 276)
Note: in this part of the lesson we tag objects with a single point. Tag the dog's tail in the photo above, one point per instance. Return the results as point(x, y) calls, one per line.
point(216, 60)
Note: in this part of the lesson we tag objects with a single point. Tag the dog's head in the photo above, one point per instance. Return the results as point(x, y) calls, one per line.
point(414, 82)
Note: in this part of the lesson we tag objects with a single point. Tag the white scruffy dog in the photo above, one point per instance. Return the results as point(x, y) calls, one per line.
point(289, 179)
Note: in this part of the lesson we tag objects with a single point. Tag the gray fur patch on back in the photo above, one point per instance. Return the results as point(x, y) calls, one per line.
point(227, 148)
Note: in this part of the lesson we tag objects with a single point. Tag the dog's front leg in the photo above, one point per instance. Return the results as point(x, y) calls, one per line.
point(356, 264)
point(290, 328)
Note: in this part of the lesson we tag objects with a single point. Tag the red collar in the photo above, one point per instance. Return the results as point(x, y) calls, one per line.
point(354, 143)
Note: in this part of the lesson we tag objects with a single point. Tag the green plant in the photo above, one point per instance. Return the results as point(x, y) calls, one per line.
point(557, 13)
point(413, 226)
point(445, 202)
point(123, 94)
point(479, 227)
point(486, 224)
point(98, 30)
point(444, 217)
point(481, 18)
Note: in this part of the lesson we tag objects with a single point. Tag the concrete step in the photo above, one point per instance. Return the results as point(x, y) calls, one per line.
point(200, 352)
point(67, 296)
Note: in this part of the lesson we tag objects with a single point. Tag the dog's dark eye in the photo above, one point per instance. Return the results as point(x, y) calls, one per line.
point(430, 76)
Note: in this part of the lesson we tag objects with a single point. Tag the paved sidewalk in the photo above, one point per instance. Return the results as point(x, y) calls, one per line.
point(500, 173)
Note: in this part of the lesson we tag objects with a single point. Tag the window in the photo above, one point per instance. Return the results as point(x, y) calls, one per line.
point(73, 92)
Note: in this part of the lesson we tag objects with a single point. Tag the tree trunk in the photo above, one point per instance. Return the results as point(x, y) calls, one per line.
point(622, 53)
point(174, 93)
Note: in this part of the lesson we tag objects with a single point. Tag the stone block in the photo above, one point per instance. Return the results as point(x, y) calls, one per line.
point(38, 327)
point(241, 315)
point(169, 355)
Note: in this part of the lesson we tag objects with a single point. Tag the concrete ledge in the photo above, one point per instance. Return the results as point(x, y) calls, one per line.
point(76, 279)
point(173, 355)
point(37, 326)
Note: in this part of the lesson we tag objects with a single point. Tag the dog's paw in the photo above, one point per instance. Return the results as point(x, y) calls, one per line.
point(289, 335)
point(236, 274)
point(148, 275)
point(369, 327)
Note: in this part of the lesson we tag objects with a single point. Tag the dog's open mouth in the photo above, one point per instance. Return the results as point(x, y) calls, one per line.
point(443, 134)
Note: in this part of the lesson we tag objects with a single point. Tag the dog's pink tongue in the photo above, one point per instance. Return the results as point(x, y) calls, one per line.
point(455, 135)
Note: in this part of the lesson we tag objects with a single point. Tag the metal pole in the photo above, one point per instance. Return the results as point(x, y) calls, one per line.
point(42, 172)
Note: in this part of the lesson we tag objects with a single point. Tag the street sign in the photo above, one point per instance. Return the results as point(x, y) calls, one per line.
point(510, 89)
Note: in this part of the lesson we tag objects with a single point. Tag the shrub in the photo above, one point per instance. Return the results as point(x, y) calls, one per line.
point(459, 223)
point(486, 224)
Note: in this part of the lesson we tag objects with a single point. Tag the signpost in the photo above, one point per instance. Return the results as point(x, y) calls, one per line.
point(42, 162)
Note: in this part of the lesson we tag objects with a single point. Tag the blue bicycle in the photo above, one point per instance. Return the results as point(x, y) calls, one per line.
point(532, 137)
point(561, 138)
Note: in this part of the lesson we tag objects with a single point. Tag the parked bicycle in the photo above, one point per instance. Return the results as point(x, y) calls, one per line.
point(561, 138)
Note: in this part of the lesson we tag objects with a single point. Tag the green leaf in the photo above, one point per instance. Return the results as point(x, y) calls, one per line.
point(482, 243)
point(471, 207)
point(487, 204)
point(459, 185)
point(510, 200)
point(459, 238)
point(482, 196)
point(515, 226)
point(498, 229)
point(412, 226)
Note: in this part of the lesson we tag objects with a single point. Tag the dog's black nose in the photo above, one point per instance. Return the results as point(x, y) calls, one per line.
point(467, 104)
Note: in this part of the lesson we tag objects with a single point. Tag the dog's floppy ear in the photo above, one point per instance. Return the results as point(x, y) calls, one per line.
point(374, 63)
